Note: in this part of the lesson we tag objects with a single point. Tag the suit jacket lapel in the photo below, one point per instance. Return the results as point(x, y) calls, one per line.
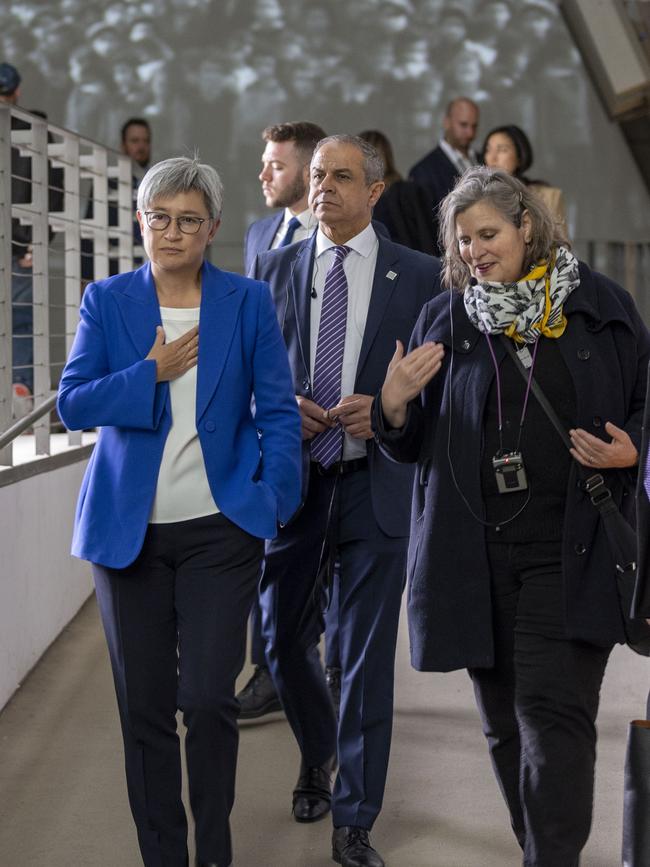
point(383, 287)
point(300, 281)
point(270, 232)
point(220, 305)
point(140, 310)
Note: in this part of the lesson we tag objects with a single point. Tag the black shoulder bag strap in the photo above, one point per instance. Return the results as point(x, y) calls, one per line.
point(623, 542)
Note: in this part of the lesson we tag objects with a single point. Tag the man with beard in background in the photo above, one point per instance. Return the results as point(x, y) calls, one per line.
point(285, 184)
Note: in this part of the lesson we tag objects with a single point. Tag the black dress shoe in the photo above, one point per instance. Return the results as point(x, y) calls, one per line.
point(333, 680)
point(259, 696)
point(312, 796)
point(351, 848)
point(209, 863)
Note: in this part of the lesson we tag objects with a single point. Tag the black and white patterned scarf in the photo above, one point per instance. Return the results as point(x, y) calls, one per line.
point(529, 307)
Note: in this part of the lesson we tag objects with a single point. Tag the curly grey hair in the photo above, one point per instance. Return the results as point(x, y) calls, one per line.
point(507, 195)
point(182, 175)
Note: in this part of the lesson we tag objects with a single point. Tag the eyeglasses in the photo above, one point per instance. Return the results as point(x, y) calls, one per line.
point(187, 225)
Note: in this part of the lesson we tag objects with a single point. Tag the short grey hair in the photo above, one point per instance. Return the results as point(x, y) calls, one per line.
point(182, 175)
point(373, 164)
point(507, 195)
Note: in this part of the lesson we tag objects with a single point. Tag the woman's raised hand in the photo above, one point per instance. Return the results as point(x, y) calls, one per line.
point(175, 358)
point(406, 377)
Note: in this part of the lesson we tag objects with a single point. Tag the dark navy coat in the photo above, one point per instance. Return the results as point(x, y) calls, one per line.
point(606, 348)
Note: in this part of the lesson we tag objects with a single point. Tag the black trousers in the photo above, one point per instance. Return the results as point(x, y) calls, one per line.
point(539, 704)
point(175, 623)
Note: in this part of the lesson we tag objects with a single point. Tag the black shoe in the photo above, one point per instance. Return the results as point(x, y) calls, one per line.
point(312, 796)
point(208, 863)
point(259, 696)
point(333, 680)
point(351, 848)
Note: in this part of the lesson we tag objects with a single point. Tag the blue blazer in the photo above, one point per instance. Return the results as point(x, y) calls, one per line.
point(404, 281)
point(259, 237)
point(252, 455)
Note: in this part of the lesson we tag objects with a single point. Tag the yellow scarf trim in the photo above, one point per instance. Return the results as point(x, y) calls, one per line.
point(544, 270)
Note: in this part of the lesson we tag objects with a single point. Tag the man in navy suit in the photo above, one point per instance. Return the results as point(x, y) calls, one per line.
point(356, 503)
point(438, 171)
point(285, 184)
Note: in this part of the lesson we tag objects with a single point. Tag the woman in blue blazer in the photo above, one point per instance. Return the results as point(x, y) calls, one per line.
point(184, 370)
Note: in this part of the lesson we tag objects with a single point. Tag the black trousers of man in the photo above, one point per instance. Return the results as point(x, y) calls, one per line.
point(175, 623)
point(539, 704)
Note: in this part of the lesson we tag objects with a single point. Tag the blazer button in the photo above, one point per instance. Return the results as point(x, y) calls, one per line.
point(579, 548)
point(209, 426)
point(305, 384)
point(584, 354)
point(596, 421)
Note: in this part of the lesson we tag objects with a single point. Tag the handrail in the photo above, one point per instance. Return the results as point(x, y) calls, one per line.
point(27, 421)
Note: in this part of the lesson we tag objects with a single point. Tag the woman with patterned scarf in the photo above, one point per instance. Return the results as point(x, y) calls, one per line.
point(510, 573)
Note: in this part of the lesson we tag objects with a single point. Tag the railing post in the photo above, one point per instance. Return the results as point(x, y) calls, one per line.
point(5, 280)
point(40, 278)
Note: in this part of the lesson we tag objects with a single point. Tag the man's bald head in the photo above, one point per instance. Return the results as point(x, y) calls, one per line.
point(460, 123)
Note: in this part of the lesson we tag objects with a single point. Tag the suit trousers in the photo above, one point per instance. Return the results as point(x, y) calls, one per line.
point(332, 655)
point(175, 623)
point(370, 584)
point(539, 704)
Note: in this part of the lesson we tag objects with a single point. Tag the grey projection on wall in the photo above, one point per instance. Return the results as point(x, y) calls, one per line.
point(210, 74)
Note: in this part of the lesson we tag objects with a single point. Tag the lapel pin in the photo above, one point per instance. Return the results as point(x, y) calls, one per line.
point(391, 275)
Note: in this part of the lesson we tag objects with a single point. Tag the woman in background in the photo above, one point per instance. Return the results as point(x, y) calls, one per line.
point(403, 206)
point(509, 148)
point(185, 482)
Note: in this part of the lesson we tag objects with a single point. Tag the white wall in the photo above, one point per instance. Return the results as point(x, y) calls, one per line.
point(41, 586)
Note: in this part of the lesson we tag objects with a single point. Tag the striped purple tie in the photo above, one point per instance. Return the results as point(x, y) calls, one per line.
point(326, 446)
point(646, 475)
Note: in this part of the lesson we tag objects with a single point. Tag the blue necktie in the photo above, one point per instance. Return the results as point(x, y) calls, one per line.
point(292, 225)
point(327, 446)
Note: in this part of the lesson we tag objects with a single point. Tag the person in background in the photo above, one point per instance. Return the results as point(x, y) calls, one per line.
point(136, 144)
point(285, 184)
point(438, 171)
point(342, 296)
point(22, 262)
point(183, 368)
point(511, 574)
point(403, 206)
point(509, 148)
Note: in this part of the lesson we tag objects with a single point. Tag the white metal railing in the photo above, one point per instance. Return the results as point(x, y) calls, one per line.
point(93, 186)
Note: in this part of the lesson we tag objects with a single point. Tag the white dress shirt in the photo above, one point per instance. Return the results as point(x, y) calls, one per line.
point(183, 491)
point(306, 229)
point(359, 266)
point(458, 158)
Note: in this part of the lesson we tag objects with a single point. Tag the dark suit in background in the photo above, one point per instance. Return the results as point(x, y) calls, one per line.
point(259, 237)
point(367, 531)
point(436, 175)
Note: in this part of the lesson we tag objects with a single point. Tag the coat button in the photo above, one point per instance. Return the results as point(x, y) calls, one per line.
point(596, 421)
point(584, 354)
point(579, 548)
point(305, 384)
point(210, 426)
point(466, 344)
